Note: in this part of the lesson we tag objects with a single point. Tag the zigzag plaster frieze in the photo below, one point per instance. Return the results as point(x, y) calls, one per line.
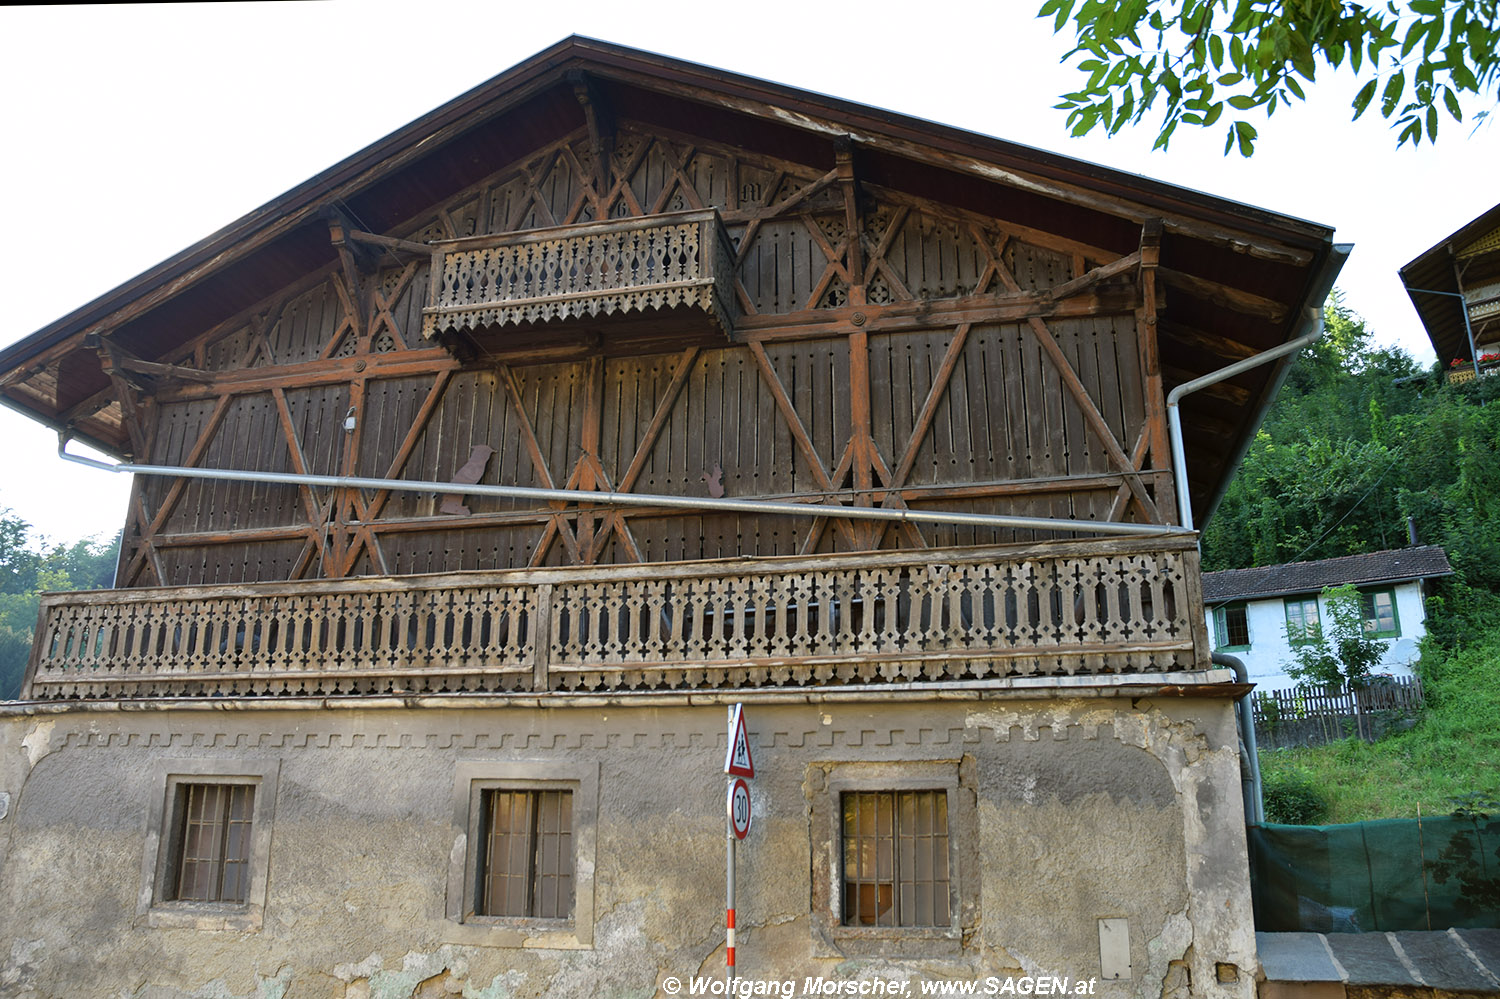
point(1152, 731)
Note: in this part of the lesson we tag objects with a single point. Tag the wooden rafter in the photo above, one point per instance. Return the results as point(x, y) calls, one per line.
point(1223, 296)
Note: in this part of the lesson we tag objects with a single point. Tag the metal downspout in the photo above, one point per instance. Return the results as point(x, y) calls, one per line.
point(1174, 413)
point(1255, 804)
point(1321, 286)
point(636, 499)
point(1255, 812)
point(1463, 309)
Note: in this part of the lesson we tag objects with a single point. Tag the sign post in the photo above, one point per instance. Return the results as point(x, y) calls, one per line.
point(739, 766)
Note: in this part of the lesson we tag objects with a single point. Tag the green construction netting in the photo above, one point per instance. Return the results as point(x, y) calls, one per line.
point(1391, 874)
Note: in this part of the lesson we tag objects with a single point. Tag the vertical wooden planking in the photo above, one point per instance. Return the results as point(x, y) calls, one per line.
point(695, 426)
point(1107, 376)
point(512, 460)
point(1122, 338)
point(986, 394)
point(1075, 448)
point(882, 403)
point(831, 358)
point(965, 463)
point(904, 404)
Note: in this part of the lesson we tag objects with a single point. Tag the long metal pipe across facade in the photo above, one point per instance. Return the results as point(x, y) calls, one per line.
point(696, 503)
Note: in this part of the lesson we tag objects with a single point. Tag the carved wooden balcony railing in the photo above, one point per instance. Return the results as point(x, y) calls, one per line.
point(1051, 609)
point(679, 262)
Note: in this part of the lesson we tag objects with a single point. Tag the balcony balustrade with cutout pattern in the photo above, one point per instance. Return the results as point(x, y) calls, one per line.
point(677, 269)
point(1050, 609)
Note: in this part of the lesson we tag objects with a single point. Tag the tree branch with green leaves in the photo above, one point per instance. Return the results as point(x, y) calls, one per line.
point(1200, 62)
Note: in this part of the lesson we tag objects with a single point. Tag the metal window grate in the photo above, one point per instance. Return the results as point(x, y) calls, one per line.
point(527, 867)
point(896, 858)
point(213, 863)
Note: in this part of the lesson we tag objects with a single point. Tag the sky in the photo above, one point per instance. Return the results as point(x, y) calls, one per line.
point(134, 131)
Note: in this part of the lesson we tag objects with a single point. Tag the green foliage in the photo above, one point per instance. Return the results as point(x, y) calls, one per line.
point(1338, 653)
point(1450, 753)
point(15, 647)
point(1193, 59)
point(1357, 442)
point(1292, 796)
point(1316, 481)
point(26, 573)
point(18, 562)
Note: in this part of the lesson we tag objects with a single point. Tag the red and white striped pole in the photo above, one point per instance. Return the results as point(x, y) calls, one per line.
point(729, 949)
point(729, 881)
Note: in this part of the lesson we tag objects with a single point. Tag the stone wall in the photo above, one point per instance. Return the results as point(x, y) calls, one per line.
point(1062, 813)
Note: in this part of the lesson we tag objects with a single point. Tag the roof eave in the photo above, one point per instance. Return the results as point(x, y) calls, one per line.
point(1297, 591)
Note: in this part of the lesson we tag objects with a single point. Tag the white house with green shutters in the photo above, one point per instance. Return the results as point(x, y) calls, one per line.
point(1258, 614)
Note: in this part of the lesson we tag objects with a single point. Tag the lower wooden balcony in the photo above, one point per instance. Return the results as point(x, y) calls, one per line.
point(1067, 608)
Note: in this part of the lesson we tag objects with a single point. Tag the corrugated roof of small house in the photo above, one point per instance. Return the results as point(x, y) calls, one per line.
point(1394, 566)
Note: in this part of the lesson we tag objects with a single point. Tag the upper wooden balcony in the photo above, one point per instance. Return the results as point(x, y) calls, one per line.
point(676, 271)
point(1052, 609)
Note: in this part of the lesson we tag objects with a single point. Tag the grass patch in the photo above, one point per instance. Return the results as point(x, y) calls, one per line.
point(1453, 750)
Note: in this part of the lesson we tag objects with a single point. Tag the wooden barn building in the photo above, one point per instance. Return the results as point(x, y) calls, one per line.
point(476, 476)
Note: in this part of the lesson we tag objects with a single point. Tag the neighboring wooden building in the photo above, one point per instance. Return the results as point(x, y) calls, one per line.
point(1455, 287)
point(727, 322)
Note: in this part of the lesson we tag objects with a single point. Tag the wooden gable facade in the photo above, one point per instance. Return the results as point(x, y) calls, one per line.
point(610, 273)
point(479, 473)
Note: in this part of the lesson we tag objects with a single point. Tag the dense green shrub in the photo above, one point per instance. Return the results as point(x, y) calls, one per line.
point(1292, 797)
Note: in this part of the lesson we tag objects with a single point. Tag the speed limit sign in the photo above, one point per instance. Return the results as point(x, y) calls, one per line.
point(739, 807)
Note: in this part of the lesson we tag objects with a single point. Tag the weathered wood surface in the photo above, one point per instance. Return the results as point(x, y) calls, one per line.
point(889, 351)
point(1050, 609)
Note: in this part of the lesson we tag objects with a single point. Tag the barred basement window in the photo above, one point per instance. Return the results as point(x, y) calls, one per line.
point(211, 850)
point(208, 844)
point(521, 867)
point(526, 867)
point(895, 846)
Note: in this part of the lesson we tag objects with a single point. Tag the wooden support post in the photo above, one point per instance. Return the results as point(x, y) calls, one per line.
point(843, 147)
point(1150, 363)
point(600, 118)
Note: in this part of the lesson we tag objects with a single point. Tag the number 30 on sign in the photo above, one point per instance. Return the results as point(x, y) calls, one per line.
point(739, 808)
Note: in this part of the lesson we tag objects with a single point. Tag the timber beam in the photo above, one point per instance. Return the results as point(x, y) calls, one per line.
point(1211, 343)
point(599, 114)
point(1225, 297)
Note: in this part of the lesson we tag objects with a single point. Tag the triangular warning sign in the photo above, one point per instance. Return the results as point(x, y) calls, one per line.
point(737, 757)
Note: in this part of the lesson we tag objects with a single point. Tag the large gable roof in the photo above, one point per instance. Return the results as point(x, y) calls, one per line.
point(1238, 279)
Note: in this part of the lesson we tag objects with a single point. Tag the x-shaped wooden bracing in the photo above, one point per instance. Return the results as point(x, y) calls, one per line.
point(874, 478)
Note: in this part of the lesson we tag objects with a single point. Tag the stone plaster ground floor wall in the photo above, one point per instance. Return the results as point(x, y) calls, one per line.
point(1064, 811)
